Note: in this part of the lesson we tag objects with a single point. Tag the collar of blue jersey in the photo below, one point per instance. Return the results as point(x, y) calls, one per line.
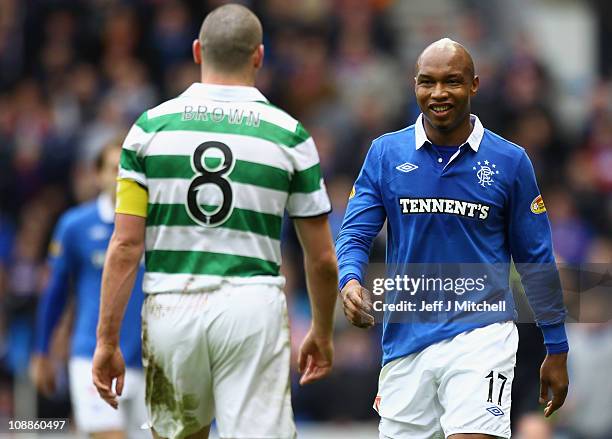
point(227, 93)
point(420, 137)
point(106, 210)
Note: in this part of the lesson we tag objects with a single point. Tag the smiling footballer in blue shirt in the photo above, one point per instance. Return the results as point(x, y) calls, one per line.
point(452, 192)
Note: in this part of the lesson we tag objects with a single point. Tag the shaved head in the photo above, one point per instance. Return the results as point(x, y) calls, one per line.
point(229, 35)
point(448, 48)
point(444, 84)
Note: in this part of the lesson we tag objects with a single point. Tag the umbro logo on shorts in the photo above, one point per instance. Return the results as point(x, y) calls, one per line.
point(495, 411)
point(406, 167)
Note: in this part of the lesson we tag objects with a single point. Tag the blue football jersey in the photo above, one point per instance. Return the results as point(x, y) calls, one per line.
point(481, 206)
point(77, 253)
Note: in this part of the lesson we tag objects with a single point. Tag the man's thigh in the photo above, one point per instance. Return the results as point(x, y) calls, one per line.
point(250, 349)
point(476, 382)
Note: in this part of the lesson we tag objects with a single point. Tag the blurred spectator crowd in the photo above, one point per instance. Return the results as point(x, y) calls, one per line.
point(75, 74)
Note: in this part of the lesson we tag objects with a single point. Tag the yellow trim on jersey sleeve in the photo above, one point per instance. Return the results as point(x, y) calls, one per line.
point(55, 248)
point(132, 198)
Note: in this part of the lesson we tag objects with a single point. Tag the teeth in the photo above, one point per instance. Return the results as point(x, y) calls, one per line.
point(440, 107)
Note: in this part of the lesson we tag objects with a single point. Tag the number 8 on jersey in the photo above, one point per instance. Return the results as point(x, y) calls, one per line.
point(217, 176)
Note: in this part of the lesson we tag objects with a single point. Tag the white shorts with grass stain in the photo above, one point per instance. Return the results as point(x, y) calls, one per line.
point(222, 354)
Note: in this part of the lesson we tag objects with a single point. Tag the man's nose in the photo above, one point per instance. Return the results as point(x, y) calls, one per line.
point(439, 91)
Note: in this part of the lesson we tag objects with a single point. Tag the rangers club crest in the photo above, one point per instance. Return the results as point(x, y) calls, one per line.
point(485, 173)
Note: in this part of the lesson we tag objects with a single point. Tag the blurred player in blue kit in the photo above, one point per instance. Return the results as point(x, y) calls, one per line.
point(77, 254)
point(453, 192)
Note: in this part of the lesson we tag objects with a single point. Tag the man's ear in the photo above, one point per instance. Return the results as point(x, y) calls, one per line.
point(475, 85)
point(258, 56)
point(196, 51)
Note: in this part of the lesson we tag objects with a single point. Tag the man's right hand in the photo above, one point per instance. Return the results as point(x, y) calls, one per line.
point(108, 367)
point(357, 304)
point(316, 357)
point(42, 374)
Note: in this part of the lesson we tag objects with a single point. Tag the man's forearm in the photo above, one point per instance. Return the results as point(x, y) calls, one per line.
point(322, 283)
point(120, 271)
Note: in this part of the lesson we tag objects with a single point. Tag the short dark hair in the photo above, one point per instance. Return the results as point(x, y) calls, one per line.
point(229, 35)
point(115, 143)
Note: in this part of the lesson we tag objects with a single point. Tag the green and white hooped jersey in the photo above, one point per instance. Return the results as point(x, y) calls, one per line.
point(221, 165)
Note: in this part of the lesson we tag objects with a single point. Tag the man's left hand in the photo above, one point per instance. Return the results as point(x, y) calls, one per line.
point(108, 365)
point(553, 377)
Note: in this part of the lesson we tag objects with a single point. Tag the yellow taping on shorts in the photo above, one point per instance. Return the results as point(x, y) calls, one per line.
point(132, 198)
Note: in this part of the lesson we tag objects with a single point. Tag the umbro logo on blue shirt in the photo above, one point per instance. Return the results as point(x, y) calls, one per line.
point(406, 167)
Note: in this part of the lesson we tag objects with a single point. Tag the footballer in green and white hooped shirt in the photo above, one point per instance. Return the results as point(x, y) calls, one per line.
point(204, 181)
point(220, 165)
